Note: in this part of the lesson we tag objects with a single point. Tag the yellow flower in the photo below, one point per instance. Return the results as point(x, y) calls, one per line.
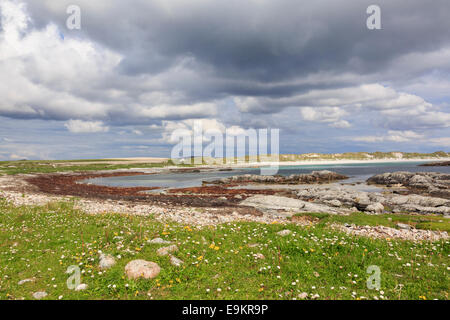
point(178, 280)
point(261, 289)
point(200, 258)
point(216, 248)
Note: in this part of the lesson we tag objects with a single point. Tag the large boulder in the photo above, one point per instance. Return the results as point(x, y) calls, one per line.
point(269, 202)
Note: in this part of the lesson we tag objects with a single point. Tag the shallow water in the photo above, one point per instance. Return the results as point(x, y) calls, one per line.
point(358, 173)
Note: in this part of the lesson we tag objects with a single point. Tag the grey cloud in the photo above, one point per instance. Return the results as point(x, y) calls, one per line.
point(252, 63)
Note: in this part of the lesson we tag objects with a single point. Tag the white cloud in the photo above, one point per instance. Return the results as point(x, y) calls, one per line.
point(193, 127)
point(444, 141)
point(329, 115)
point(80, 126)
point(392, 136)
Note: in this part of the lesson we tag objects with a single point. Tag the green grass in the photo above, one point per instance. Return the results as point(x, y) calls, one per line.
point(50, 166)
point(428, 222)
point(23, 167)
point(42, 242)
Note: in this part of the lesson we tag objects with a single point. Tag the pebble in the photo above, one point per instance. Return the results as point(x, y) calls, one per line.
point(158, 241)
point(21, 282)
point(284, 233)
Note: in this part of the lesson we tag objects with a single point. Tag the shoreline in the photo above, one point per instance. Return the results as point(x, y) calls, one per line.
point(320, 162)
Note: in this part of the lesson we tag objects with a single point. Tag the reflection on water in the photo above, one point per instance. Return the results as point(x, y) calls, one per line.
point(358, 174)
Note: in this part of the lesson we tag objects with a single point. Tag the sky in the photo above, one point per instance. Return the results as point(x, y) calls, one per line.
point(137, 70)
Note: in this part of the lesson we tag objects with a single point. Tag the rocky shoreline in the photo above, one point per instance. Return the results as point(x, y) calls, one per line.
point(248, 197)
point(436, 164)
point(426, 183)
point(323, 176)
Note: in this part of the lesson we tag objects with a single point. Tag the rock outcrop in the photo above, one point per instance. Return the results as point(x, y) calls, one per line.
point(427, 183)
point(374, 202)
point(268, 203)
point(323, 176)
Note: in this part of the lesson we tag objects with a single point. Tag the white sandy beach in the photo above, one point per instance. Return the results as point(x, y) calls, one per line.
point(329, 162)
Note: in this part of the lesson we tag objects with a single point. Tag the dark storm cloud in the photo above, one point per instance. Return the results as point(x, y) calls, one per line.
point(284, 63)
point(263, 41)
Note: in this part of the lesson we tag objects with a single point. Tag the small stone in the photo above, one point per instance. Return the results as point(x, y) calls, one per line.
point(284, 233)
point(106, 261)
point(166, 250)
point(175, 261)
point(403, 226)
point(142, 269)
point(21, 282)
point(259, 256)
point(81, 287)
point(316, 274)
point(39, 295)
point(158, 241)
point(303, 295)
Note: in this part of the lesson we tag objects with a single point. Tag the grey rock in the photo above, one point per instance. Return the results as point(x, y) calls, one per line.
point(284, 203)
point(403, 226)
point(142, 269)
point(106, 261)
point(166, 250)
point(81, 287)
point(175, 261)
point(40, 295)
point(21, 282)
point(375, 208)
point(158, 241)
point(284, 233)
point(314, 177)
point(334, 203)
